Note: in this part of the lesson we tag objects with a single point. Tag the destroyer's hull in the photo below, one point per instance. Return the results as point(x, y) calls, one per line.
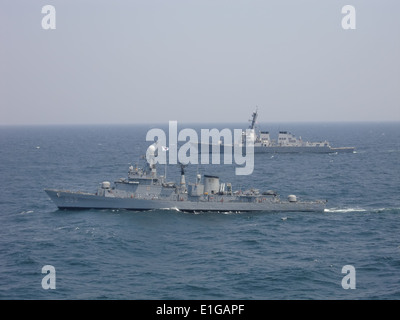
point(77, 200)
point(302, 149)
point(279, 149)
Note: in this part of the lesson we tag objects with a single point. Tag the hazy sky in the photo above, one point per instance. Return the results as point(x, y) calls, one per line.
point(149, 61)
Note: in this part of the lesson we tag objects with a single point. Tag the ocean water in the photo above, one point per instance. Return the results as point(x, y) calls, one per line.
point(118, 254)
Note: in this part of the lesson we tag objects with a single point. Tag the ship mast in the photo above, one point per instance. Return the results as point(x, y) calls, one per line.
point(253, 119)
point(183, 180)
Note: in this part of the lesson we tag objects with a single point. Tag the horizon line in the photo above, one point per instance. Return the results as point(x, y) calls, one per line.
point(196, 123)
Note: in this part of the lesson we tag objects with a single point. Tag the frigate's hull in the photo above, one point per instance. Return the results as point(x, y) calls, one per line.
point(78, 200)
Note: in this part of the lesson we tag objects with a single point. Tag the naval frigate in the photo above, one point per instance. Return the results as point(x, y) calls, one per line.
point(144, 189)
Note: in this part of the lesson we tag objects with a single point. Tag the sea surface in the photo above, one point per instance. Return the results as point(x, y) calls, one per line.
point(118, 254)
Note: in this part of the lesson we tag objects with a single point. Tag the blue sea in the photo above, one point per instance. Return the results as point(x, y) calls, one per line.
point(170, 255)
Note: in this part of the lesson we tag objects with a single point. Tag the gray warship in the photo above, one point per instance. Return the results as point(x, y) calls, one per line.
point(286, 143)
point(144, 189)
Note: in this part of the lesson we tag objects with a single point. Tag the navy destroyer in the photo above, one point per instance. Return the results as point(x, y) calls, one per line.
point(286, 143)
point(144, 189)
